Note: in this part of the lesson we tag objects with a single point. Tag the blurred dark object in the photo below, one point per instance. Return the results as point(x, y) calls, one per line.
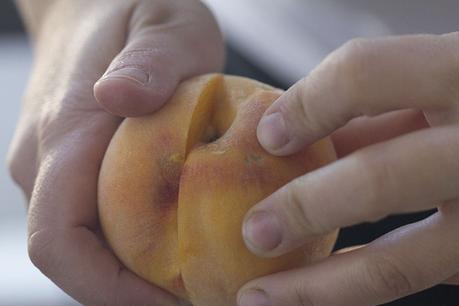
point(238, 65)
point(441, 295)
point(10, 21)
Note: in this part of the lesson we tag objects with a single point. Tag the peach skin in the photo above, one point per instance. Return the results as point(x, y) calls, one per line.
point(175, 185)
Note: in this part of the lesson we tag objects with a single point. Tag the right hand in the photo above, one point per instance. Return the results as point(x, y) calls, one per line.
point(142, 50)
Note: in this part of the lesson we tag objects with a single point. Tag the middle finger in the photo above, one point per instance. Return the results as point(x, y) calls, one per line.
point(410, 173)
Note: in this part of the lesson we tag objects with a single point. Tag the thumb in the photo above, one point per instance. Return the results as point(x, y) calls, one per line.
point(168, 41)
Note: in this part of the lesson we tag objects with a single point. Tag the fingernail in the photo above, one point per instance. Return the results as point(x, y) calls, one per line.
point(262, 231)
point(271, 132)
point(254, 297)
point(132, 74)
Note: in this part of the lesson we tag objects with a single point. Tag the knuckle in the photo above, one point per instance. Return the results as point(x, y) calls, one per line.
point(64, 115)
point(300, 216)
point(21, 162)
point(346, 70)
point(141, 54)
point(39, 245)
point(308, 117)
point(13, 163)
point(356, 52)
point(302, 297)
point(387, 279)
point(449, 87)
point(375, 184)
point(352, 61)
point(300, 108)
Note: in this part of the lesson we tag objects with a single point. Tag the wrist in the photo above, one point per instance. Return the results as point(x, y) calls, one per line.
point(44, 18)
point(33, 13)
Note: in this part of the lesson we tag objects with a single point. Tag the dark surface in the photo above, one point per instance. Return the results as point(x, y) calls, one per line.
point(441, 295)
point(238, 65)
point(9, 20)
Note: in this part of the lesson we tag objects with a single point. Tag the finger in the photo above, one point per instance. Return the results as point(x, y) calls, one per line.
point(168, 41)
point(364, 77)
point(402, 262)
point(63, 218)
point(364, 131)
point(410, 173)
point(22, 154)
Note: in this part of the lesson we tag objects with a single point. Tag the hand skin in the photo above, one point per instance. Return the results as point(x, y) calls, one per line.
point(391, 106)
point(70, 114)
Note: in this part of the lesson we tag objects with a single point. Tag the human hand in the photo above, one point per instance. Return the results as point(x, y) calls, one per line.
point(63, 132)
point(399, 155)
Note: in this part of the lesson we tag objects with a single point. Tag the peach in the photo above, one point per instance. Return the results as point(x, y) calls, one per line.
point(174, 188)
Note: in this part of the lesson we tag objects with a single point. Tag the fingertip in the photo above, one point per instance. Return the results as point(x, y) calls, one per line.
point(262, 232)
point(277, 138)
point(272, 133)
point(126, 96)
point(253, 297)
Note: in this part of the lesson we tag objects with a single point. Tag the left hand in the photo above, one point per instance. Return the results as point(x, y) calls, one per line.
point(94, 60)
point(391, 106)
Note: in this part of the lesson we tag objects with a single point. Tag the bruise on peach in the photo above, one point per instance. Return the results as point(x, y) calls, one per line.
point(167, 191)
point(253, 158)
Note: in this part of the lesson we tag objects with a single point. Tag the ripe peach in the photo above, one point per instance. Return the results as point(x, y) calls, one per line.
point(174, 187)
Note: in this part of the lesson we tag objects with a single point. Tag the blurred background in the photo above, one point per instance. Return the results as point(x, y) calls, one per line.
point(21, 284)
point(276, 42)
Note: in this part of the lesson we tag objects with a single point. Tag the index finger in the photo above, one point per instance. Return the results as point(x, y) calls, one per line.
point(364, 77)
point(63, 221)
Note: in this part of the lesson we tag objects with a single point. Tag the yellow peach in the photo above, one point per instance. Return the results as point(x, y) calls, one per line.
point(174, 187)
